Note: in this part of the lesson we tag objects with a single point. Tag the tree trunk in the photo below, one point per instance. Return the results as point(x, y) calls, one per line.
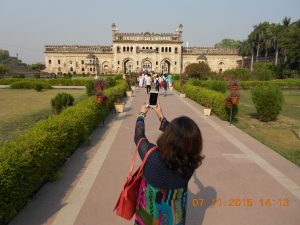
point(276, 54)
point(257, 51)
point(252, 57)
point(266, 55)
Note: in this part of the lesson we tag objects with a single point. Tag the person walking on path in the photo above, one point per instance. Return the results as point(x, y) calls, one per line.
point(148, 83)
point(162, 195)
point(165, 85)
point(156, 84)
point(141, 80)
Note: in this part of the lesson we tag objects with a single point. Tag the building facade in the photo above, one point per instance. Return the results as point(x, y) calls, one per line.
point(136, 52)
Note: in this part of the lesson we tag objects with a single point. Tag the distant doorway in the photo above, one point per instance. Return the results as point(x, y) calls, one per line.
point(147, 65)
point(128, 66)
point(165, 67)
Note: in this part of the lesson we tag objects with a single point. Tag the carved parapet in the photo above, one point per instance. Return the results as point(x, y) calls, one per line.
point(148, 37)
point(209, 51)
point(79, 48)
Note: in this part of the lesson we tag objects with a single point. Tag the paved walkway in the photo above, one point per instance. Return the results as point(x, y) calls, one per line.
point(238, 174)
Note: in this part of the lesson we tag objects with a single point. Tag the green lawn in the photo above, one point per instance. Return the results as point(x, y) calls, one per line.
point(20, 109)
point(280, 135)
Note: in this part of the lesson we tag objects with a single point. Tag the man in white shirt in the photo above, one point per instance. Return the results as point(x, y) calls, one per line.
point(148, 83)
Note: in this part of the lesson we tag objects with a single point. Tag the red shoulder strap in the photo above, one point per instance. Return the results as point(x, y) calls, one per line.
point(144, 160)
point(134, 156)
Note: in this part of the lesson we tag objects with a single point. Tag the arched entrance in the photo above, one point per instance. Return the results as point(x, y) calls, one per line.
point(105, 67)
point(128, 66)
point(147, 65)
point(165, 66)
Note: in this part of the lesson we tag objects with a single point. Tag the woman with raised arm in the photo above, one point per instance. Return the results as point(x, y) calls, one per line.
point(162, 197)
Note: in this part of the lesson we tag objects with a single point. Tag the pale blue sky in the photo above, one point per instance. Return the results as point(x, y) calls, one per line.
point(27, 25)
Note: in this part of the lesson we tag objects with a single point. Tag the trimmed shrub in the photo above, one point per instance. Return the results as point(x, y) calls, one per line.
point(261, 74)
point(67, 82)
point(19, 76)
point(111, 81)
point(37, 75)
point(236, 74)
point(263, 71)
point(38, 87)
point(198, 70)
point(33, 158)
point(199, 83)
point(30, 84)
point(118, 77)
point(89, 87)
point(67, 75)
point(219, 86)
point(268, 100)
point(61, 101)
point(284, 84)
point(9, 81)
point(215, 76)
point(208, 98)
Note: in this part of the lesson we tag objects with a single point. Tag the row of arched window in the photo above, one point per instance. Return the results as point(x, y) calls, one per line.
point(162, 49)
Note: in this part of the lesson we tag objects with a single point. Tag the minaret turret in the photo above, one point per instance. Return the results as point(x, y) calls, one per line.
point(114, 30)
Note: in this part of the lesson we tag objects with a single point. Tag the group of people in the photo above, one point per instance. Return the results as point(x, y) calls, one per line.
point(156, 81)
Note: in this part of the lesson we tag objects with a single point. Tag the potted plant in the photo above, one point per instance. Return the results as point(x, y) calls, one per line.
point(182, 83)
point(101, 98)
point(233, 86)
point(128, 85)
point(119, 106)
point(133, 82)
point(234, 96)
point(208, 108)
point(228, 102)
point(99, 85)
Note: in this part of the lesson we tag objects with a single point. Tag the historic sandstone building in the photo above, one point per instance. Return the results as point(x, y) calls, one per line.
point(136, 52)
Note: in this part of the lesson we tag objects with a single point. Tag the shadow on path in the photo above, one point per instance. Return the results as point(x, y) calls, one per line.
point(198, 203)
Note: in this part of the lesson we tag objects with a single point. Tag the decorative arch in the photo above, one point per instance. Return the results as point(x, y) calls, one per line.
point(105, 67)
point(186, 64)
point(147, 64)
point(128, 65)
point(202, 58)
point(165, 65)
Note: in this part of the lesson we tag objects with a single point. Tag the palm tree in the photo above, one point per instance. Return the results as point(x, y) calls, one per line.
point(276, 30)
point(285, 22)
point(244, 50)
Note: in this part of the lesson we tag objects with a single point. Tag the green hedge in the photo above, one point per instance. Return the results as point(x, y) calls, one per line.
point(67, 82)
point(283, 84)
point(33, 158)
point(207, 98)
point(30, 84)
point(9, 81)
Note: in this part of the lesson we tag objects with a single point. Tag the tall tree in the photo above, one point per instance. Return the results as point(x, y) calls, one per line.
point(228, 43)
point(289, 41)
point(244, 50)
point(285, 22)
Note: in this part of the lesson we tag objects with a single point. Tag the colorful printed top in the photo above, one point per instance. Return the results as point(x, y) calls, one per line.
point(162, 196)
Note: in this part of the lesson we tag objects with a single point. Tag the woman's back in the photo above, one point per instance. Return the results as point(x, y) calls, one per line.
point(162, 196)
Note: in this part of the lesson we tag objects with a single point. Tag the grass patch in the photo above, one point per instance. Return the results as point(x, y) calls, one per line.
point(20, 109)
point(280, 135)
